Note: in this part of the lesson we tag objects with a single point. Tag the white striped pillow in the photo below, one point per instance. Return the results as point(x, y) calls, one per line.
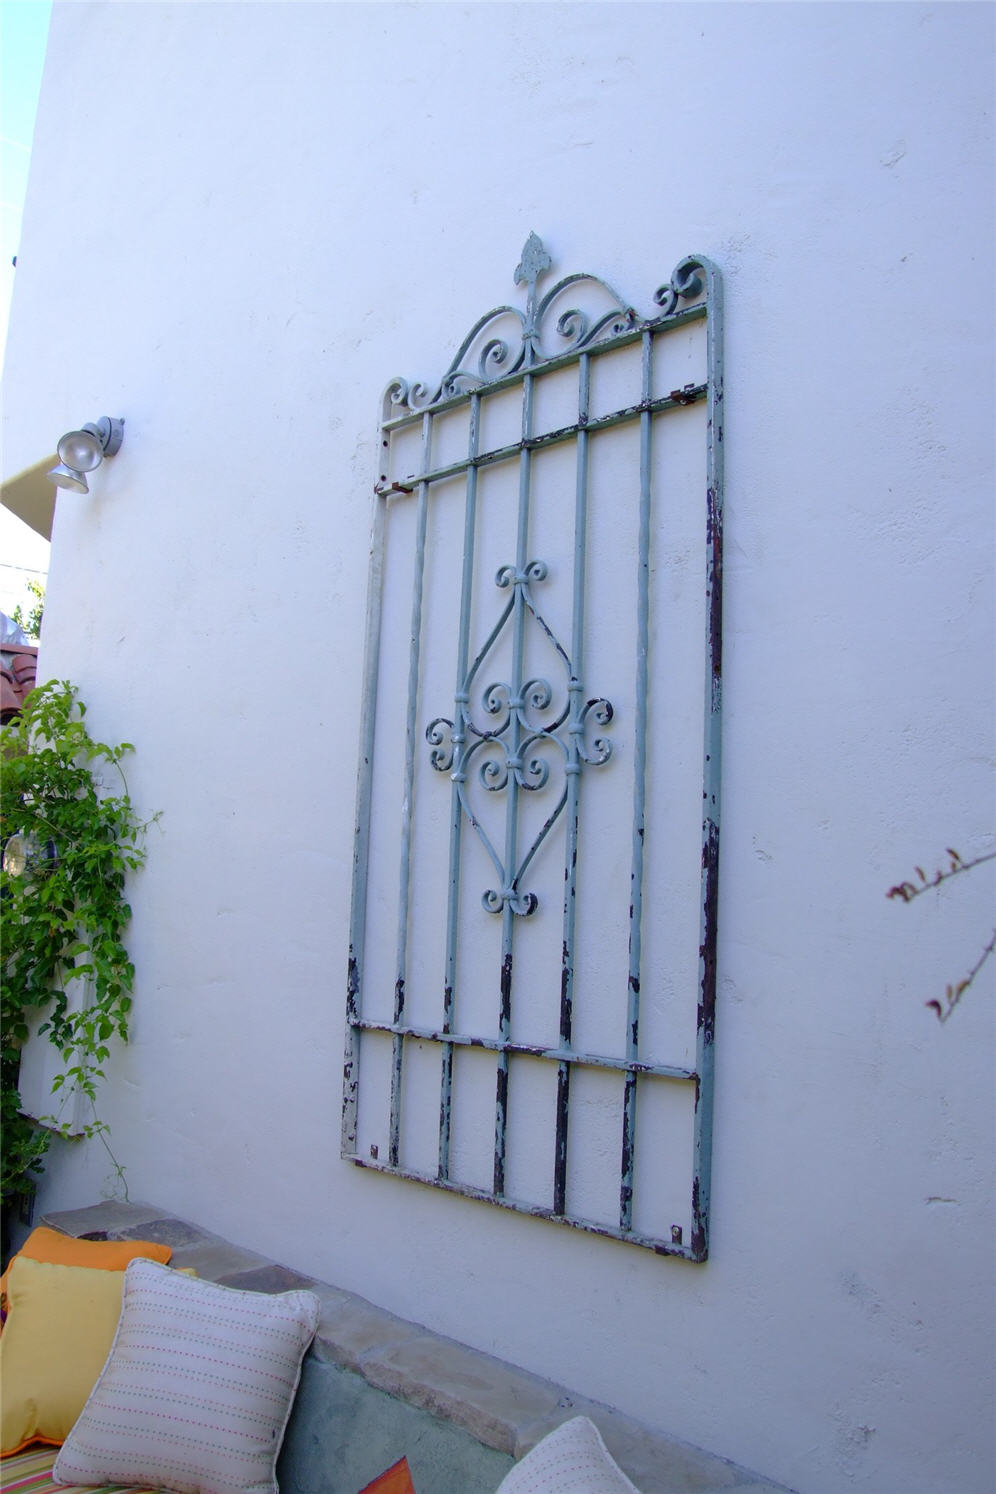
point(571, 1460)
point(196, 1390)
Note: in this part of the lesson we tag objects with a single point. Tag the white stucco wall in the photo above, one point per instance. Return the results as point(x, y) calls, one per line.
point(242, 220)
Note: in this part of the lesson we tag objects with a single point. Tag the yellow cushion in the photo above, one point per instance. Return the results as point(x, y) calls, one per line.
point(60, 1326)
point(44, 1244)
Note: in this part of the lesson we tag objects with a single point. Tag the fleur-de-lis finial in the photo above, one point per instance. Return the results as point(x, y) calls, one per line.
point(535, 261)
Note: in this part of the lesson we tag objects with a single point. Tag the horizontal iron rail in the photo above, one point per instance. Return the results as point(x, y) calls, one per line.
point(550, 365)
point(525, 1050)
point(535, 1211)
point(676, 400)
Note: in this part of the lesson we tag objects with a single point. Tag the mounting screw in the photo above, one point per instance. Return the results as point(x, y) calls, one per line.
point(676, 1234)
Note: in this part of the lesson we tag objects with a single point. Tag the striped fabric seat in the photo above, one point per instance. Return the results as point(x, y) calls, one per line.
point(30, 1472)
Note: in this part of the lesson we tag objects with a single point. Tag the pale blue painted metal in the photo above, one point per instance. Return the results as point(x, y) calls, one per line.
point(504, 757)
point(411, 733)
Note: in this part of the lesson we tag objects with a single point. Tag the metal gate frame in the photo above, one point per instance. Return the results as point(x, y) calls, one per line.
point(501, 753)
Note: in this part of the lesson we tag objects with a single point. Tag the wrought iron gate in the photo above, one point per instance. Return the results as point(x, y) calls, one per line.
point(548, 536)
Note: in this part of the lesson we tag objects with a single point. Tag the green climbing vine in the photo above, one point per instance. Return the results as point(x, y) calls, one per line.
point(69, 842)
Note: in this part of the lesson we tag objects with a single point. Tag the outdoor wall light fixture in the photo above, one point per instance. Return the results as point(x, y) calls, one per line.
point(83, 451)
point(24, 852)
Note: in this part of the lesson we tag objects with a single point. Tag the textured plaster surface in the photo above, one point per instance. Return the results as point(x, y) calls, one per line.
point(307, 200)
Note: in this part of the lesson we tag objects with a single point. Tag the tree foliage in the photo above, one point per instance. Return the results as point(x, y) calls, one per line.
point(30, 622)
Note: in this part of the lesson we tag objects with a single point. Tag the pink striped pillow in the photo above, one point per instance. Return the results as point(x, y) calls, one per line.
point(197, 1389)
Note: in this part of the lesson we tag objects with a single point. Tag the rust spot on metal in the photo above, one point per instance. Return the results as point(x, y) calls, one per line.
point(627, 1162)
point(685, 396)
point(707, 951)
point(626, 1191)
point(506, 987)
point(560, 1155)
point(715, 581)
point(352, 986)
point(566, 1004)
point(700, 1239)
point(501, 1101)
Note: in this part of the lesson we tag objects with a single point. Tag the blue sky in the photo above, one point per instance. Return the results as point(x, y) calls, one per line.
point(23, 32)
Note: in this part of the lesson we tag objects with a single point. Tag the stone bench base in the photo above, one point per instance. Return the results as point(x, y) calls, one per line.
point(376, 1387)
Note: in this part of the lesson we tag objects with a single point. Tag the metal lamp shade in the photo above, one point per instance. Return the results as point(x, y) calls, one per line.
point(81, 451)
point(68, 477)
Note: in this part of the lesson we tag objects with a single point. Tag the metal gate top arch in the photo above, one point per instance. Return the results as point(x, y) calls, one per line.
point(535, 528)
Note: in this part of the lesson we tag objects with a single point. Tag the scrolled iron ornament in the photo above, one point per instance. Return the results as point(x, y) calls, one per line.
point(439, 735)
point(514, 751)
point(510, 575)
point(522, 903)
point(494, 355)
point(533, 772)
point(493, 773)
point(579, 328)
point(685, 284)
point(601, 713)
point(421, 396)
point(537, 695)
point(508, 340)
point(395, 395)
point(496, 701)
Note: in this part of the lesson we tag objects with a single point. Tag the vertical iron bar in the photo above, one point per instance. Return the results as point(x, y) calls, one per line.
point(639, 798)
point(512, 812)
point(404, 884)
point(575, 689)
point(461, 713)
point(361, 841)
point(705, 1024)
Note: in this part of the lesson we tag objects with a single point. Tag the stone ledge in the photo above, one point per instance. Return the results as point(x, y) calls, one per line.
point(502, 1407)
